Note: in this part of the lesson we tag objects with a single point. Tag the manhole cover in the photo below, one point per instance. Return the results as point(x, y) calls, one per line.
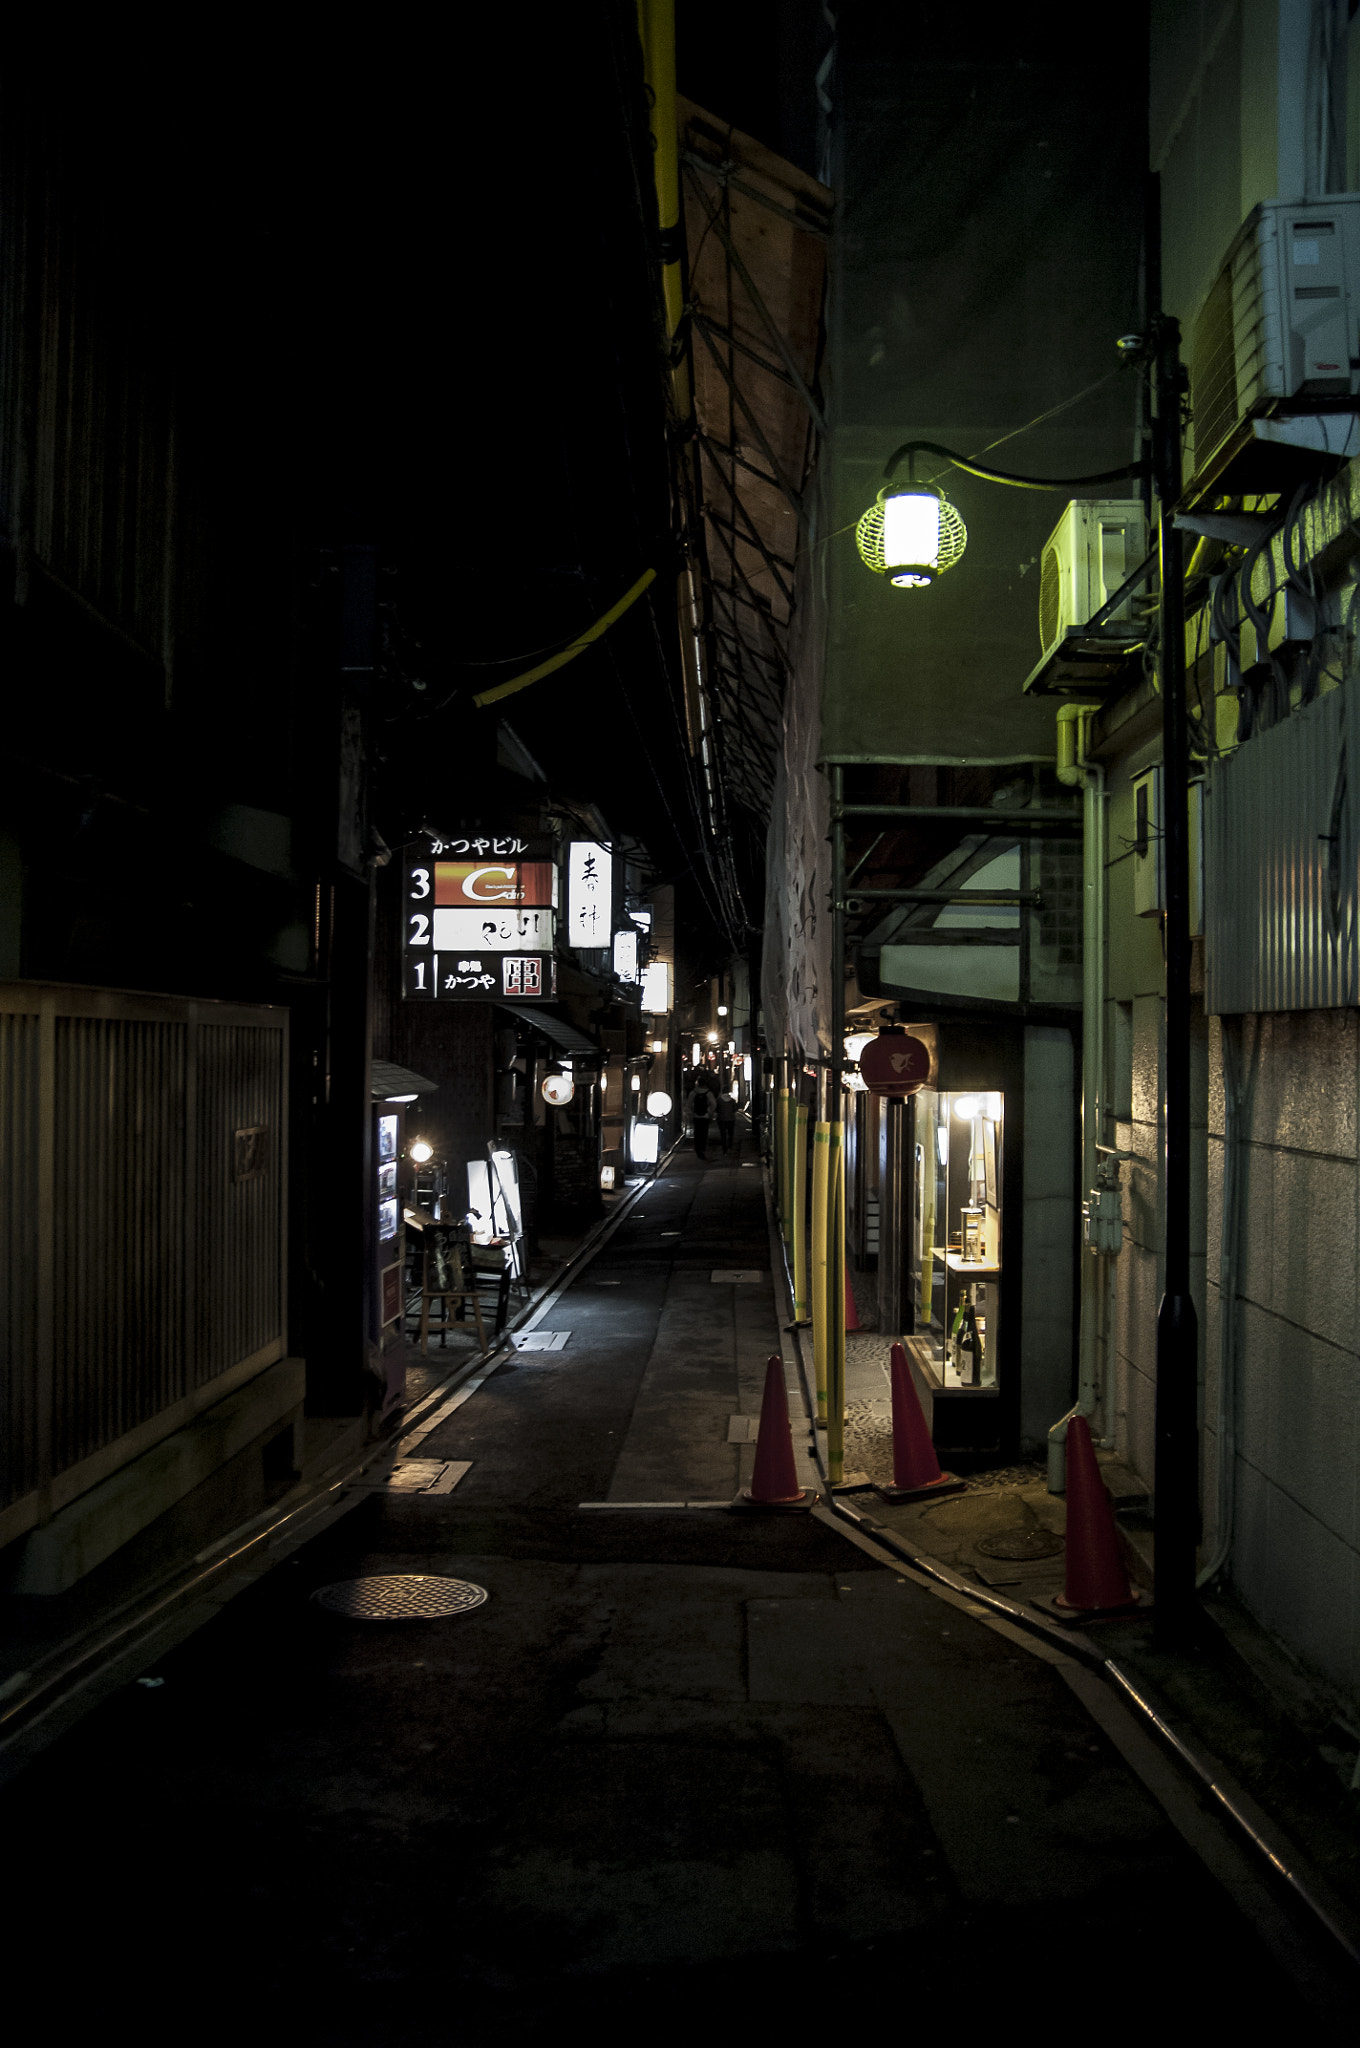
point(1015, 1545)
point(399, 1596)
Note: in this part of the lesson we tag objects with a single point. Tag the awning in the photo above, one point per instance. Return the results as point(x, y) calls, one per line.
point(563, 1035)
point(390, 1081)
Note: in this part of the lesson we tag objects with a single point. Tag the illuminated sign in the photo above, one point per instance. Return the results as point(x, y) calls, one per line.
point(512, 931)
point(656, 987)
point(626, 955)
point(478, 919)
point(590, 893)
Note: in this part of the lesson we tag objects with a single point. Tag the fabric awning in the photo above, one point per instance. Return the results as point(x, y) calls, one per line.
point(563, 1035)
point(389, 1081)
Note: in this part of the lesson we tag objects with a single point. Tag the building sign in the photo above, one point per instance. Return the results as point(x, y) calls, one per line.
point(626, 955)
point(479, 919)
point(590, 893)
point(509, 931)
point(656, 987)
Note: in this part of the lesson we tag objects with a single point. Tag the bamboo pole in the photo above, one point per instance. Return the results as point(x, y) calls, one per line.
point(798, 1206)
point(835, 1291)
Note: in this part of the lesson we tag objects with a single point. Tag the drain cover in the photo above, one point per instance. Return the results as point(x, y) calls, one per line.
point(399, 1596)
point(1018, 1544)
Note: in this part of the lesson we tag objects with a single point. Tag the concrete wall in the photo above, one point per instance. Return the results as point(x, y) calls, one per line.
point(1052, 1092)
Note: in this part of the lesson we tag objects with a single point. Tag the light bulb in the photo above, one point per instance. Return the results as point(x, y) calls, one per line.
point(911, 537)
point(420, 1151)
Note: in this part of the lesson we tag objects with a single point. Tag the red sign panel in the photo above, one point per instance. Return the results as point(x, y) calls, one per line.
point(480, 883)
point(895, 1063)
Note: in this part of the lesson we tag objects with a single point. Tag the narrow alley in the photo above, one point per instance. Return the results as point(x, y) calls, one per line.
point(685, 1766)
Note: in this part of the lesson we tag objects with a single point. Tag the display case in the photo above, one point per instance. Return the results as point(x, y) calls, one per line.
point(957, 1238)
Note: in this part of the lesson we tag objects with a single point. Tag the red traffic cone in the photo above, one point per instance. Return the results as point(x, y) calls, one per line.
point(852, 1321)
point(916, 1469)
point(774, 1479)
point(1095, 1581)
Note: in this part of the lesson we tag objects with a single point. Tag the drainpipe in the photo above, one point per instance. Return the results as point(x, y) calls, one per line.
point(1077, 771)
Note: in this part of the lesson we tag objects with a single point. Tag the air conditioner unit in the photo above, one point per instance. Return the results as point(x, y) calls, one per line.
point(1281, 320)
point(1092, 549)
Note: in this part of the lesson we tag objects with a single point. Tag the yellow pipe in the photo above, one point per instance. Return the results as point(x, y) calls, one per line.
point(822, 1308)
point(566, 654)
point(656, 31)
point(798, 1215)
point(835, 1288)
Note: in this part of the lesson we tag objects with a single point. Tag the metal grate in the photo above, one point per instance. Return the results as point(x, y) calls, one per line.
point(400, 1596)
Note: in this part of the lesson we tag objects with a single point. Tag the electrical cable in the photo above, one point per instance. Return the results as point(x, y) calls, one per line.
point(911, 449)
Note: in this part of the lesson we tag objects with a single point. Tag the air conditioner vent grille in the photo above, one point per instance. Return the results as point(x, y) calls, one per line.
point(1050, 597)
point(1213, 375)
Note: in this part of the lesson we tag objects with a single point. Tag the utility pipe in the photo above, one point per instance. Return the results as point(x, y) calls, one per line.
point(1077, 771)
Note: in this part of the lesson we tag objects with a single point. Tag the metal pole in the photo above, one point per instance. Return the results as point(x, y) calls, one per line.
point(892, 1222)
point(1177, 1446)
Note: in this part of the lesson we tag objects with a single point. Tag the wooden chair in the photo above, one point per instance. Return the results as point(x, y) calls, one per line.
point(446, 1276)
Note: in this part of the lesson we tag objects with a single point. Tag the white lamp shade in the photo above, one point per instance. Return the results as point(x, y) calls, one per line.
point(658, 1103)
point(911, 535)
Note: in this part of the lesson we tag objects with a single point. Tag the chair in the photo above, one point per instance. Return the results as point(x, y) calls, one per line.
point(447, 1276)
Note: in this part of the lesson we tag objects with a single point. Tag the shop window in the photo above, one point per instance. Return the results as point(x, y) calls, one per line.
point(957, 1233)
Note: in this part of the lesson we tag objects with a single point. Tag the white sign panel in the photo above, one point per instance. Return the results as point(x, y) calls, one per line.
point(590, 893)
point(625, 955)
point(656, 987)
point(493, 931)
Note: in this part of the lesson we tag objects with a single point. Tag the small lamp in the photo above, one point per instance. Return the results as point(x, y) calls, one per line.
point(911, 533)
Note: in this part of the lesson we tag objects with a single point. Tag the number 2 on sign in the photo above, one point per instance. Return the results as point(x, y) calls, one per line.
point(420, 929)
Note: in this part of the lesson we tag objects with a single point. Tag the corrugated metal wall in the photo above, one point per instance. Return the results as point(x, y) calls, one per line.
point(143, 1251)
point(1280, 865)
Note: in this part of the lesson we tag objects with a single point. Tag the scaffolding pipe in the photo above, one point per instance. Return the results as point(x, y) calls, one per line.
point(835, 1287)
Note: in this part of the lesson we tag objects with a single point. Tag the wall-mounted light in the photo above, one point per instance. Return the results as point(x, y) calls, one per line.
point(912, 534)
point(722, 1009)
point(557, 1089)
point(420, 1151)
point(713, 1038)
point(401, 1098)
point(635, 1084)
point(658, 1103)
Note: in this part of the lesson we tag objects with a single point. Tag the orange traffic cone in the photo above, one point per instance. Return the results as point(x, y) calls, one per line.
point(852, 1321)
point(1095, 1582)
point(774, 1479)
point(916, 1469)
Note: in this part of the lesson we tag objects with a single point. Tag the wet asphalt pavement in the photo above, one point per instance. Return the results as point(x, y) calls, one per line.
point(681, 1770)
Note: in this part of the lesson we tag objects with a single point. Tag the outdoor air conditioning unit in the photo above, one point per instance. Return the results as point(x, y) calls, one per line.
point(1093, 548)
point(1281, 320)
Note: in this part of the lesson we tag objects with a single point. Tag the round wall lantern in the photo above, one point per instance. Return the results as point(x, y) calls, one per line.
point(557, 1089)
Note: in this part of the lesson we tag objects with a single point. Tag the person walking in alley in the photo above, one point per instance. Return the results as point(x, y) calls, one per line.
point(726, 1112)
point(700, 1110)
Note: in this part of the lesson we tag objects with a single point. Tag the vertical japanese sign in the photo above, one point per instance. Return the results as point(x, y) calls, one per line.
point(479, 918)
point(590, 893)
point(626, 955)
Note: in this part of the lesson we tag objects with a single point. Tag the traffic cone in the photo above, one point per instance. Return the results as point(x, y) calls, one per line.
point(774, 1479)
point(1095, 1581)
point(852, 1321)
point(916, 1469)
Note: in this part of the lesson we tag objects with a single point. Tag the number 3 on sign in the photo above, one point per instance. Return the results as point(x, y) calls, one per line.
point(420, 883)
point(420, 930)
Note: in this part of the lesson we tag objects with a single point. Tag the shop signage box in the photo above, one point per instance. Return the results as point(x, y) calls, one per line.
point(479, 919)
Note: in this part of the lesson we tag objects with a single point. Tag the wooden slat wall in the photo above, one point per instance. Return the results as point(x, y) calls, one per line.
point(138, 1273)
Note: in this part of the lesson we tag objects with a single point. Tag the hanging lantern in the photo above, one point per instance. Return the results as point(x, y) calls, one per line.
point(911, 534)
point(895, 1063)
point(558, 1089)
